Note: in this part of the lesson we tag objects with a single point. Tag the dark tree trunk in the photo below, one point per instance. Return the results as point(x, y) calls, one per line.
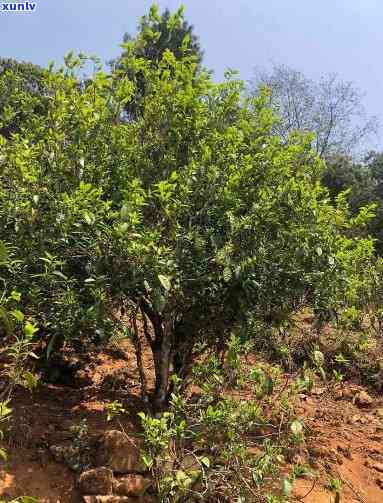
point(161, 344)
point(138, 351)
point(162, 361)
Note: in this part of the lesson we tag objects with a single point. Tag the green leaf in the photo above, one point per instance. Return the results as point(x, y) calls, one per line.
point(165, 281)
point(148, 461)
point(318, 357)
point(227, 274)
point(51, 346)
point(15, 295)
point(205, 461)
point(296, 427)
point(18, 315)
point(60, 275)
point(287, 487)
point(124, 213)
point(30, 329)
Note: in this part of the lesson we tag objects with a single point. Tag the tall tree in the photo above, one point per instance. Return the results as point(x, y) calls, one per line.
point(28, 79)
point(364, 183)
point(332, 109)
point(156, 34)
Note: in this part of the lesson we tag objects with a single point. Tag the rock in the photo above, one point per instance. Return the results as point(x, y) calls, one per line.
point(119, 499)
point(338, 394)
point(379, 482)
point(348, 393)
point(363, 399)
point(58, 452)
point(120, 453)
point(96, 481)
point(346, 451)
point(379, 413)
point(131, 485)
point(109, 499)
point(378, 467)
point(323, 453)
point(83, 378)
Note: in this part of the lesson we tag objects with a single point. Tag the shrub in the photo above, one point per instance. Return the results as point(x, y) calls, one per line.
point(193, 217)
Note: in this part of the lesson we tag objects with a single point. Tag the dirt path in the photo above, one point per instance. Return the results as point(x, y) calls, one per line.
point(344, 441)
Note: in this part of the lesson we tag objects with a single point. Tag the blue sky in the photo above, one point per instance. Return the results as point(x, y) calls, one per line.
point(315, 37)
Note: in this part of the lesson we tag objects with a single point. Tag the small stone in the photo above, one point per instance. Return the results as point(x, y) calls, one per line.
point(348, 393)
point(96, 481)
point(132, 485)
point(346, 451)
point(120, 499)
point(378, 467)
point(59, 452)
point(338, 395)
point(83, 378)
point(109, 499)
point(363, 399)
point(322, 452)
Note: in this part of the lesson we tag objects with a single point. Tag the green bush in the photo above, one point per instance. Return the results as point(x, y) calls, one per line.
point(193, 216)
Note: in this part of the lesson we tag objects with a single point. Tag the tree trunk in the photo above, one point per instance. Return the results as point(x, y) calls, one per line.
point(162, 356)
point(138, 351)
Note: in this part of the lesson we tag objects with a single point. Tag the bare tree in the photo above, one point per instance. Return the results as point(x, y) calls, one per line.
point(330, 108)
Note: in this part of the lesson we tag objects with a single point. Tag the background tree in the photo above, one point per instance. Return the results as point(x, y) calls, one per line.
point(332, 109)
point(28, 78)
point(364, 183)
point(157, 33)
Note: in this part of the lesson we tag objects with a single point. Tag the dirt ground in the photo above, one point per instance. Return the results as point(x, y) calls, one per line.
point(345, 441)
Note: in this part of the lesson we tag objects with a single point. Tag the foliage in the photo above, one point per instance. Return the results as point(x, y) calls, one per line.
point(114, 409)
point(17, 333)
point(211, 445)
point(363, 183)
point(22, 91)
point(21, 499)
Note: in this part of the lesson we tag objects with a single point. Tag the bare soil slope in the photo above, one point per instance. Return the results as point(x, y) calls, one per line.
point(345, 434)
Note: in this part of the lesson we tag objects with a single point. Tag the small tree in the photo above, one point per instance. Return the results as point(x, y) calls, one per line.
point(194, 216)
